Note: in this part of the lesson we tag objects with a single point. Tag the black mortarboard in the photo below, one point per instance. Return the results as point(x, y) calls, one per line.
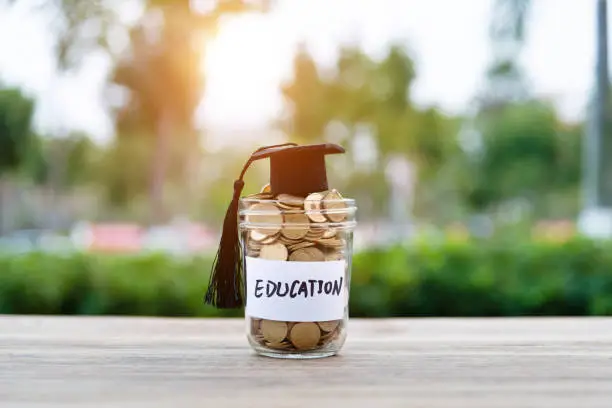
point(295, 170)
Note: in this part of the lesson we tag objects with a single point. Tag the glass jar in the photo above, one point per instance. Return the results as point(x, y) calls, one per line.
point(297, 258)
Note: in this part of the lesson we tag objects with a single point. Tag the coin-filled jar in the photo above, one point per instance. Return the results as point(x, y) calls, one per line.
point(297, 256)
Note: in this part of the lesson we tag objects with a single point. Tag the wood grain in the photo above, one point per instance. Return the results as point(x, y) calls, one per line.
point(152, 362)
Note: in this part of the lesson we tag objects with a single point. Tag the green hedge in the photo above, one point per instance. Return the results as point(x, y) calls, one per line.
point(425, 279)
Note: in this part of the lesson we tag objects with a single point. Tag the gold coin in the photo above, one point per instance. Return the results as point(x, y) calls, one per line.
point(323, 342)
point(257, 236)
point(310, 254)
point(300, 245)
point(333, 201)
point(336, 334)
point(269, 240)
point(313, 237)
point(298, 218)
point(305, 336)
point(255, 325)
point(329, 326)
point(329, 233)
point(276, 252)
point(315, 254)
point(285, 207)
point(265, 213)
point(333, 256)
point(290, 200)
point(258, 196)
point(298, 231)
point(299, 256)
point(331, 242)
point(253, 253)
point(259, 338)
point(279, 346)
point(288, 241)
point(273, 331)
point(268, 214)
point(315, 233)
point(327, 336)
point(312, 205)
point(254, 246)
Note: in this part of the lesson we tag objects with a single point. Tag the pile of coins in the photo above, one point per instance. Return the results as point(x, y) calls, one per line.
point(295, 336)
point(299, 229)
point(296, 228)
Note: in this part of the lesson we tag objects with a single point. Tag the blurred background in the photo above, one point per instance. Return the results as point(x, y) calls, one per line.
point(479, 148)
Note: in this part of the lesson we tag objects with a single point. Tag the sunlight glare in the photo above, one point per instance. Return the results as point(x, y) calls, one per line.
point(242, 68)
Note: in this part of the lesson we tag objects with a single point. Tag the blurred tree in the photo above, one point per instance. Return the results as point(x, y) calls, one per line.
point(124, 170)
point(308, 100)
point(362, 93)
point(16, 136)
point(162, 74)
point(77, 30)
point(365, 91)
point(524, 150)
point(68, 162)
point(527, 153)
point(161, 71)
point(351, 88)
point(425, 135)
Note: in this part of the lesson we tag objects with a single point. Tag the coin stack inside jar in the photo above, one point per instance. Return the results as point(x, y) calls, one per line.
point(296, 229)
point(292, 336)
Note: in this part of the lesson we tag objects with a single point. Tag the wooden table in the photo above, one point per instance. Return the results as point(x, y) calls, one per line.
point(148, 362)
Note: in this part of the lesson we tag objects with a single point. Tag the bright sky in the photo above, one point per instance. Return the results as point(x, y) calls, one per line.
point(252, 55)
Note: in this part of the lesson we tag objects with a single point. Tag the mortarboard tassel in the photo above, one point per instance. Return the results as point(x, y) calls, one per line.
point(225, 286)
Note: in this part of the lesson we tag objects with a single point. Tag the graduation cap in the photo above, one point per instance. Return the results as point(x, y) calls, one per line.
point(296, 170)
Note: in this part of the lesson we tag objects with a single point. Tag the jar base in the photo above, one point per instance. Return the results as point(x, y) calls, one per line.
point(297, 356)
point(326, 351)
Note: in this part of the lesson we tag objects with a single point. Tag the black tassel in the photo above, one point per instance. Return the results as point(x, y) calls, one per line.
point(225, 286)
point(225, 289)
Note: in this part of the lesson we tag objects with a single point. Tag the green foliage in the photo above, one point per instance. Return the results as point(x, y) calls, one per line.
point(426, 279)
point(16, 136)
point(484, 279)
point(125, 169)
point(306, 95)
point(361, 92)
point(526, 152)
point(72, 160)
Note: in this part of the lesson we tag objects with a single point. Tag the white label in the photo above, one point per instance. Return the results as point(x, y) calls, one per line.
point(295, 291)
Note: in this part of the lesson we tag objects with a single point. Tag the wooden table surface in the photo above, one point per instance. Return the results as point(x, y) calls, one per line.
point(149, 362)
